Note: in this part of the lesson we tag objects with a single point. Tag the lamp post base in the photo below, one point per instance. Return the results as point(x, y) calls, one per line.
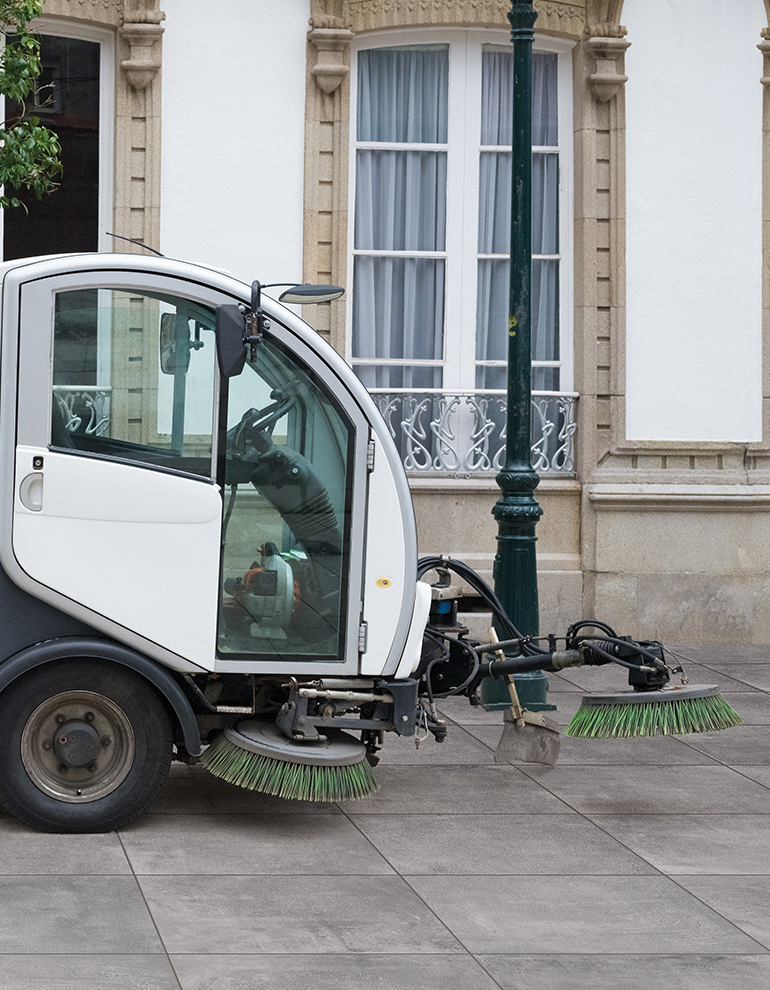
point(532, 688)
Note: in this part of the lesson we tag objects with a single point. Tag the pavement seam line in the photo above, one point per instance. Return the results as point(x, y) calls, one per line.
point(149, 912)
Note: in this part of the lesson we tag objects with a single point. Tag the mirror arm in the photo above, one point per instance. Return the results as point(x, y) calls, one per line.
point(256, 322)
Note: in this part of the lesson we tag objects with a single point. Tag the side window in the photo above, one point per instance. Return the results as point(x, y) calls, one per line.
point(285, 533)
point(133, 377)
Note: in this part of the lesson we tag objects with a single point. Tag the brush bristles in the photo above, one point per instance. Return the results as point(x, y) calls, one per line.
point(654, 718)
point(281, 778)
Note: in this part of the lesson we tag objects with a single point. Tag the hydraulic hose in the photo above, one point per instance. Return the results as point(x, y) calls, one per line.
point(478, 584)
point(522, 665)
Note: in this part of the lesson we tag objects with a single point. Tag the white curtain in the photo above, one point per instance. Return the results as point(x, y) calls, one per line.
point(494, 219)
point(398, 303)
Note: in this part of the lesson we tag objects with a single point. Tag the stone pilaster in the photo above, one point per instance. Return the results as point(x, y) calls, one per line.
point(327, 120)
point(138, 124)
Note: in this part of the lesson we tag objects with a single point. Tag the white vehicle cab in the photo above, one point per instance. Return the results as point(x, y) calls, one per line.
point(192, 536)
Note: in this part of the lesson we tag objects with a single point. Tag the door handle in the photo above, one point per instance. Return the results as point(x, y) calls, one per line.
point(31, 492)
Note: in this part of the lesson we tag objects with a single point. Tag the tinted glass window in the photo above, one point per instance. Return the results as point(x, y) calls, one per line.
point(286, 523)
point(133, 377)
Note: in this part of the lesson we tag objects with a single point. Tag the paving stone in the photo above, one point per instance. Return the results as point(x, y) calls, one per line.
point(742, 744)
point(628, 972)
point(238, 845)
point(745, 901)
point(730, 676)
point(523, 845)
point(330, 972)
point(578, 914)
point(24, 851)
point(760, 774)
point(603, 752)
point(68, 972)
point(724, 652)
point(485, 789)
point(649, 790)
point(195, 791)
point(288, 914)
point(74, 915)
point(459, 747)
point(695, 844)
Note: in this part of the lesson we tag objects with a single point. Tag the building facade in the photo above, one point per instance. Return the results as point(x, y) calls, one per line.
point(365, 143)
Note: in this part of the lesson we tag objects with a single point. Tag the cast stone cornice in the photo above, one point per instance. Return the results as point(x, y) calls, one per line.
point(106, 12)
point(560, 17)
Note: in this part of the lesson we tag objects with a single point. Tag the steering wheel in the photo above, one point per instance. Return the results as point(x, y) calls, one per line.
point(255, 428)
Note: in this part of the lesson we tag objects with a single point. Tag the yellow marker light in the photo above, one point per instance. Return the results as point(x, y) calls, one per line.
point(383, 582)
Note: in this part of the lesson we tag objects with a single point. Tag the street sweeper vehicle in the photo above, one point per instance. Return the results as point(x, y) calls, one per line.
point(208, 552)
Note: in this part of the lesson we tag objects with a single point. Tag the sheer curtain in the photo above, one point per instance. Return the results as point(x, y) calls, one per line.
point(398, 302)
point(494, 219)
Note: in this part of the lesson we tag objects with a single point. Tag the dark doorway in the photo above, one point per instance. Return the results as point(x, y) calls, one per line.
point(67, 101)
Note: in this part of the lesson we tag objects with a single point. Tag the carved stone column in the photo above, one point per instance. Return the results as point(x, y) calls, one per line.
point(327, 117)
point(138, 124)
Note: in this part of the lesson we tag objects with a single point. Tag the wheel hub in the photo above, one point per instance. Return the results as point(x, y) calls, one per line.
point(77, 746)
point(77, 743)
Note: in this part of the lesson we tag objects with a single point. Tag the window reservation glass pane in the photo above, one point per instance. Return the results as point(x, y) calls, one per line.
point(400, 200)
point(492, 310)
point(402, 94)
point(415, 377)
point(492, 321)
point(288, 474)
point(545, 203)
point(495, 203)
point(67, 102)
point(543, 379)
point(398, 308)
point(545, 310)
point(497, 98)
point(133, 377)
point(495, 220)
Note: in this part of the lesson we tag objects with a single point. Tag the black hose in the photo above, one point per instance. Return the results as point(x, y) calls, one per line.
point(612, 659)
point(467, 573)
point(589, 624)
point(518, 665)
point(656, 661)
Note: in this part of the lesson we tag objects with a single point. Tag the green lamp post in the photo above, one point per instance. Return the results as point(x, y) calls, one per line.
point(517, 511)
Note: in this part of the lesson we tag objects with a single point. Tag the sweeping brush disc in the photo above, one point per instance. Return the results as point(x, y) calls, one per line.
point(670, 711)
point(255, 754)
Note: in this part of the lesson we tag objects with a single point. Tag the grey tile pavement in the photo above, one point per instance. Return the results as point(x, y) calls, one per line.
point(632, 863)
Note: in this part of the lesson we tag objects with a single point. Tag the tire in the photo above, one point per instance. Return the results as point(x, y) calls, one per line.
point(85, 746)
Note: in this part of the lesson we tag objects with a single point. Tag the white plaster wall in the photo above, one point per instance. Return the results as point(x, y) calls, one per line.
point(233, 135)
point(694, 119)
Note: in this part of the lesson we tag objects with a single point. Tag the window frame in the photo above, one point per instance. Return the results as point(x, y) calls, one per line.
point(458, 360)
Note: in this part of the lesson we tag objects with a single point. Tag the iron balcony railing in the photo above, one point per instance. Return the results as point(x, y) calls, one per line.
point(437, 433)
point(84, 408)
point(463, 433)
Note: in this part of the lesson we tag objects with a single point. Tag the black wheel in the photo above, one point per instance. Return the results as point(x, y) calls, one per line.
point(85, 746)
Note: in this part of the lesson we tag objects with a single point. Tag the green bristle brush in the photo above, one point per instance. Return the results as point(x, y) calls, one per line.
point(665, 712)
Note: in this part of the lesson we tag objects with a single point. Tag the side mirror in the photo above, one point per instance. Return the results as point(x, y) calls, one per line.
point(304, 295)
point(231, 350)
point(174, 344)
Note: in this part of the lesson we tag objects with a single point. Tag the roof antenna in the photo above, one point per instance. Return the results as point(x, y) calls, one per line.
point(135, 240)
